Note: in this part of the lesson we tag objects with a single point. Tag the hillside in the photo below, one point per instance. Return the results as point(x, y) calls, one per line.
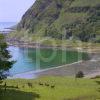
point(79, 19)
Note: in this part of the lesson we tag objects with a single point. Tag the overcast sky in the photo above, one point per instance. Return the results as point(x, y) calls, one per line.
point(12, 10)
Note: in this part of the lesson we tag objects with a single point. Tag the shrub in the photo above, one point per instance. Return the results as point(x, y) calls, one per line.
point(80, 74)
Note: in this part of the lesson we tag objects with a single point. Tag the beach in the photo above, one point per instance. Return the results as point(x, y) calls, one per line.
point(63, 70)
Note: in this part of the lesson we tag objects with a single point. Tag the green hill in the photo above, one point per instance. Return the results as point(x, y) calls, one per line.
point(79, 19)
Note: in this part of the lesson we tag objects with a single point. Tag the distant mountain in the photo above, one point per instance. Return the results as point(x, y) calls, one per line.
point(79, 19)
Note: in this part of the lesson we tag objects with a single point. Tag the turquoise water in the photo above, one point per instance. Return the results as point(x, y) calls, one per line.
point(28, 59)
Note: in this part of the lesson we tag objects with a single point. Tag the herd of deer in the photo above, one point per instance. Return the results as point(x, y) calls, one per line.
point(30, 85)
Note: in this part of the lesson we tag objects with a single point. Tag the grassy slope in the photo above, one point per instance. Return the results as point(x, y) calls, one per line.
point(65, 89)
point(82, 3)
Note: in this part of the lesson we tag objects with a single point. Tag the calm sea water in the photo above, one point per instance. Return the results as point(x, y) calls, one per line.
point(28, 59)
point(4, 25)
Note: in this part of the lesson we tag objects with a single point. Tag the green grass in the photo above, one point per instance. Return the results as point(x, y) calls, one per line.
point(65, 89)
point(83, 3)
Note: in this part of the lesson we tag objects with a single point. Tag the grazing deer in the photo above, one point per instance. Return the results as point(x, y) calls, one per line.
point(5, 85)
point(23, 86)
point(17, 86)
point(40, 83)
point(53, 86)
point(30, 85)
point(47, 84)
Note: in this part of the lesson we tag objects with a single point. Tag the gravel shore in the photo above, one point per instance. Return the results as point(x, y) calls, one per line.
point(90, 68)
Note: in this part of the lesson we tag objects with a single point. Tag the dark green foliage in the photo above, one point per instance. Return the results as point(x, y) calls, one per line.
point(5, 64)
point(80, 74)
point(15, 94)
point(53, 32)
point(86, 32)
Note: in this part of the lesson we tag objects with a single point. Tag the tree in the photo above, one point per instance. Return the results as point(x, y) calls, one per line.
point(5, 63)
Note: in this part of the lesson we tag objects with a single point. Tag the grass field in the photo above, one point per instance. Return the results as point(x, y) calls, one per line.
point(82, 3)
point(52, 88)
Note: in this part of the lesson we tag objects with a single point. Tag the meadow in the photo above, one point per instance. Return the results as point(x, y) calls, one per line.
point(51, 88)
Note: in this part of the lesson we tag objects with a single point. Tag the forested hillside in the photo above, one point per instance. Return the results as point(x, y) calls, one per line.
point(79, 19)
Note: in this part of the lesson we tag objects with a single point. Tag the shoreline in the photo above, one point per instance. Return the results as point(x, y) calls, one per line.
point(92, 75)
point(43, 70)
point(61, 70)
point(36, 46)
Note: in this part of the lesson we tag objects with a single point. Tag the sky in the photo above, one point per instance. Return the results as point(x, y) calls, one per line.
point(12, 10)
